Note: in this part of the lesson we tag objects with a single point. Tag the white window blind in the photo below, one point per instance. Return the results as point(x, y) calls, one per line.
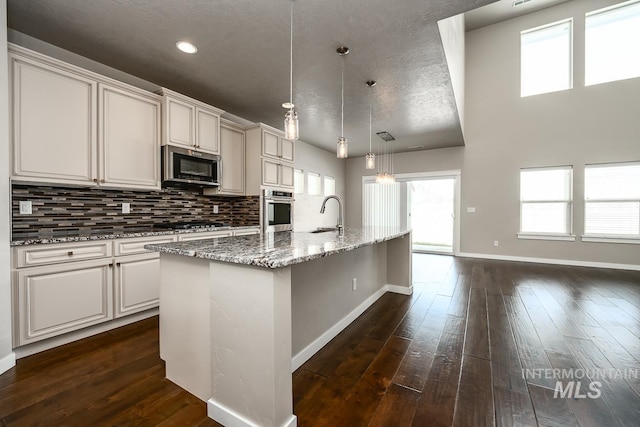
point(545, 59)
point(612, 36)
point(612, 200)
point(329, 186)
point(546, 201)
point(314, 183)
point(298, 181)
point(381, 205)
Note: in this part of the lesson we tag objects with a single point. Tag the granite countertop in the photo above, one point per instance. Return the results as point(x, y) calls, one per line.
point(280, 249)
point(78, 236)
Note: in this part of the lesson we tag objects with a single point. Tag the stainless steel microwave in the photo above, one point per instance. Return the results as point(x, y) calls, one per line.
point(185, 167)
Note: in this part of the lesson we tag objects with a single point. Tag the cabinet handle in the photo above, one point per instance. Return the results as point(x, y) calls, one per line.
point(95, 179)
point(102, 180)
point(70, 253)
point(117, 264)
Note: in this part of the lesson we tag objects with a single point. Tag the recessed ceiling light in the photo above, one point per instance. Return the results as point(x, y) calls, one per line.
point(186, 47)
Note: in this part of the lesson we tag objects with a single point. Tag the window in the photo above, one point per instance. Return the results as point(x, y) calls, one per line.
point(612, 200)
point(545, 59)
point(298, 181)
point(329, 186)
point(314, 183)
point(611, 43)
point(546, 202)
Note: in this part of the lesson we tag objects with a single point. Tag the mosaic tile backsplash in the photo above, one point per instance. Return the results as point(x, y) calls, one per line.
point(66, 210)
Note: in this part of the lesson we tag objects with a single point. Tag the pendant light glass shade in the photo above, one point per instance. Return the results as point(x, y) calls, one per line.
point(291, 125)
point(370, 158)
point(342, 148)
point(370, 161)
point(291, 130)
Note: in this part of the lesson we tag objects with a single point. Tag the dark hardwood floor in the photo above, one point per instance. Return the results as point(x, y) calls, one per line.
point(453, 353)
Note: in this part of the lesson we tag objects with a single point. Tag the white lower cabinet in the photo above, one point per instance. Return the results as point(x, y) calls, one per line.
point(60, 298)
point(57, 290)
point(136, 283)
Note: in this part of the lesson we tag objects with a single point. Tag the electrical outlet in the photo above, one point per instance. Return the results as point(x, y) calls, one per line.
point(215, 208)
point(25, 207)
point(354, 284)
point(126, 208)
point(471, 210)
point(496, 243)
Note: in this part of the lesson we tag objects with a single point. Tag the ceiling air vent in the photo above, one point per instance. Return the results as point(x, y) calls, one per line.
point(386, 136)
point(520, 2)
point(416, 147)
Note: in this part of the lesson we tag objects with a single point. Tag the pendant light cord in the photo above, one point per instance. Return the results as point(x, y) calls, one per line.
point(342, 93)
point(291, 58)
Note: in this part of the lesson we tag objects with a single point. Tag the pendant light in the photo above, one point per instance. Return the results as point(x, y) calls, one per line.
point(370, 158)
point(385, 167)
point(291, 130)
point(342, 141)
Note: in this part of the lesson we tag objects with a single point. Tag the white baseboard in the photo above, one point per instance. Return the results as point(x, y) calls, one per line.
point(7, 362)
point(330, 334)
point(400, 289)
point(37, 347)
point(229, 418)
point(570, 262)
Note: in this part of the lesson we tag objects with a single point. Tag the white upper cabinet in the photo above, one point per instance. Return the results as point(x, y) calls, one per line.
point(190, 123)
point(129, 138)
point(232, 151)
point(270, 159)
point(53, 122)
point(274, 145)
point(72, 126)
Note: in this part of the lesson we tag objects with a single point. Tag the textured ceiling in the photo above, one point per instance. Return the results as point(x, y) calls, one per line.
point(243, 61)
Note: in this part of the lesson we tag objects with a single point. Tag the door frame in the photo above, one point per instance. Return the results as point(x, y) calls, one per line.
point(456, 175)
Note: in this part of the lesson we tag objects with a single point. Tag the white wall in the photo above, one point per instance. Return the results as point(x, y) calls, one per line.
point(307, 214)
point(7, 358)
point(505, 133)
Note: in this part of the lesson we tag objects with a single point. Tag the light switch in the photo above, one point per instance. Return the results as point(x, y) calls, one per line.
point(126, 208)
point(471, 210)
point(215, 208)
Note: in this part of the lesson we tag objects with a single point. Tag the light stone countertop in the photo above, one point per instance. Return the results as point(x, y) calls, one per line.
point(280, 249)
point(131, 233)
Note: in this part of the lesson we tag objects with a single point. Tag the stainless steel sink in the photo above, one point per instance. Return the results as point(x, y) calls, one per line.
point(324, 229)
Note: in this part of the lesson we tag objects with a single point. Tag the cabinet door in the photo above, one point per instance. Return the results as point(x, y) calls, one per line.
point(270, 143)
point(207, 131)
point(286, 175)
point(180, 120)
point(232, 151)
point(54, 124)
point(287, 149)
point(129, 139)
point(137, 283)
point(270, 173)
point(61, 298)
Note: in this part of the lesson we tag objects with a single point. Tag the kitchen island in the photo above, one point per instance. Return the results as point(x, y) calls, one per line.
point(234, 310)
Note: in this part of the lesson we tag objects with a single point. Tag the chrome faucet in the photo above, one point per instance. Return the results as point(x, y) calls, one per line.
point(340, 226)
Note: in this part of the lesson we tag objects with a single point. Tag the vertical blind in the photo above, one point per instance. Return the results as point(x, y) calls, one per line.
point(546, 200)
point(381, 205)
point(612, 200)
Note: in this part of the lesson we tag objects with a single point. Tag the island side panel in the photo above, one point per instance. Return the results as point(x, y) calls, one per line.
point(399, 266)
point(251, 345)
point(185, 335)
point(323, 299)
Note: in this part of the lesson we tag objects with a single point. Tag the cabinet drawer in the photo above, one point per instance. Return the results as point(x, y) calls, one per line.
point(136, 245)
point(35, 255)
